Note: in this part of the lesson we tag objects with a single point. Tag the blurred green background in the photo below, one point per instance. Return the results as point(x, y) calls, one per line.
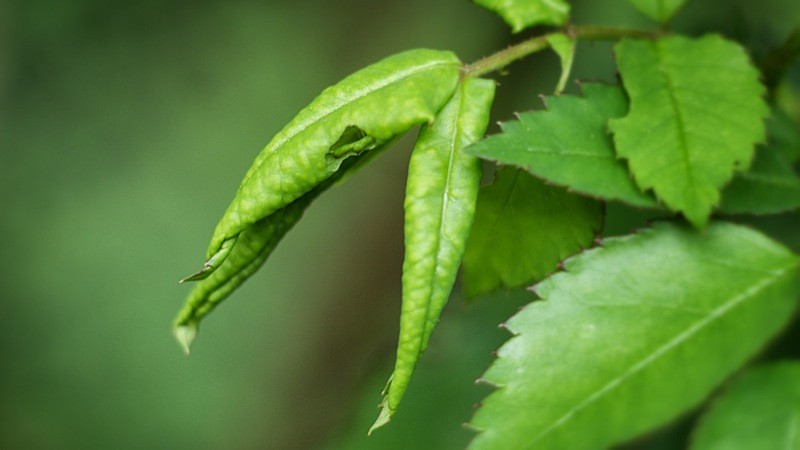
point(125, 128)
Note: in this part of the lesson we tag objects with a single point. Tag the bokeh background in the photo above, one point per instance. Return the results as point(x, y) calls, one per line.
point(125, 128)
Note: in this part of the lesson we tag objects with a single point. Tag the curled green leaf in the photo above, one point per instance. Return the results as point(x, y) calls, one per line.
point(360, 113)
point(252, 248)
point(441, 192)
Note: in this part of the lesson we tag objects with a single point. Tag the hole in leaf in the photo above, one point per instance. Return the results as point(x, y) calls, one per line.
point(352, 142)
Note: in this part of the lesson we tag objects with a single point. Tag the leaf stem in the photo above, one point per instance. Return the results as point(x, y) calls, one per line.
point(501, 59)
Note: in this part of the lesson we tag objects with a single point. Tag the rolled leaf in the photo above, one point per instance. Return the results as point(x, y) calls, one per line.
point(358, 114)
point(250, 251)
point(440, 201)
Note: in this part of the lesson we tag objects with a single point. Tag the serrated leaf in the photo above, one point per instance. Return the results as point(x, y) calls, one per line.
point(634, 333)
point(521, 14)
point(441, 192)
point(523, 229)
point(564, 47)
point(770, 186)
point(761, 410)
point(695, 114)
point(658, 10)
point(568, 144)
point(360, 113)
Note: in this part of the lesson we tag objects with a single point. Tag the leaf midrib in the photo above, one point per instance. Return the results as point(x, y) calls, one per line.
point(661, 351)
point(679, 115)
point(445, 202)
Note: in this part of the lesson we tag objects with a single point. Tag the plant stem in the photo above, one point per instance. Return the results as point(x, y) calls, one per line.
point(501, 59)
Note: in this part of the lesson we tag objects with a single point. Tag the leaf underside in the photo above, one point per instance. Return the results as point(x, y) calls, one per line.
point(521, 14)
point(441, 192)
point(761, 410)
point(696, 112)
point(568, 144)
point(603, 356)
point(523, 228)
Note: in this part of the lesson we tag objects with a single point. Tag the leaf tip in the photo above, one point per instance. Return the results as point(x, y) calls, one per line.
point(384, 417)
point(185, 334)
point(199, 275)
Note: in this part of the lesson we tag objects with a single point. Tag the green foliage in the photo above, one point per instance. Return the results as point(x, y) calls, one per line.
point(440, 200)
point(568, 144)
point(658, 10)
point(363, 111)
point(770, 186)
point(628, 336)
point(784, 135)
point(657, 320)
point(521, 14)
point(253, 246)
point(523, 229)
point(760, 410)
point(564, 46)
point(696, 111)
point(345, 120)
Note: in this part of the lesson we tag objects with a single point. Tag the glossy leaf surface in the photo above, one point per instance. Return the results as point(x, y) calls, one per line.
point(360, 113)
point(441, 192)
point(759, 411)
point(696, 113)
point(634, 333)
point(568, 144)
point(521, 14)
point(658, 10)
point(523, 229)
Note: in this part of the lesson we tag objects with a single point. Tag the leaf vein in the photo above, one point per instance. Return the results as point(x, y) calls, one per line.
point(664, 349)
